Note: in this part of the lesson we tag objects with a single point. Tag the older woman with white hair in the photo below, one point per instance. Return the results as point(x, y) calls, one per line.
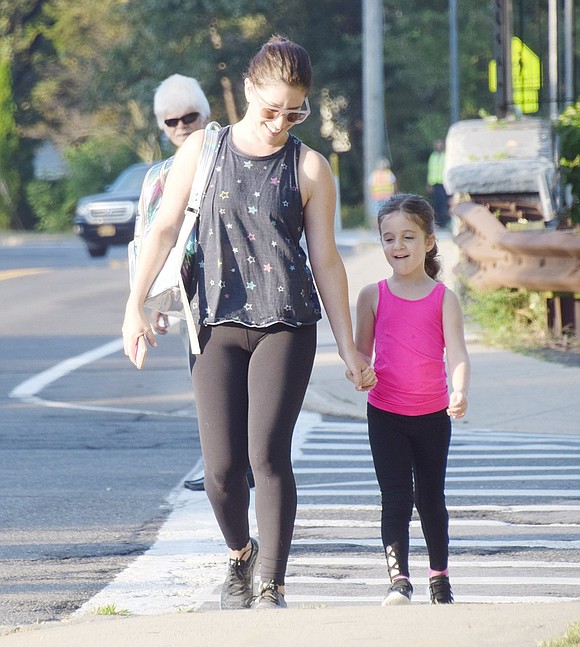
point(180, 107)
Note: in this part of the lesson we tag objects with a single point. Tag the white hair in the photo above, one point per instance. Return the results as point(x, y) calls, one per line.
point(178, 95)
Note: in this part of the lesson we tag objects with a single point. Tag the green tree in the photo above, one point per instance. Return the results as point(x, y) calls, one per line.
point(20, 44)
point(568, 127)
point(95, 66)
point(9, 141)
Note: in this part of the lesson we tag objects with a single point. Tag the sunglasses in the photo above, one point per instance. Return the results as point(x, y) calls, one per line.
point(293, 116)
point(189, 118)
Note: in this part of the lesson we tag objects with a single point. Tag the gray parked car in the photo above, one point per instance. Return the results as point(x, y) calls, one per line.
point(108, 218)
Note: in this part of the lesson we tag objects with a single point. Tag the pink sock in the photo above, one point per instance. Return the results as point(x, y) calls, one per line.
point(433, 573)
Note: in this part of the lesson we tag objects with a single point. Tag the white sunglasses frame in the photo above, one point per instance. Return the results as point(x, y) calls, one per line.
point(302, 114)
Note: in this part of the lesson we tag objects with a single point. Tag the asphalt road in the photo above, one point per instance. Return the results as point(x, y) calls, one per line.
point(87, 456)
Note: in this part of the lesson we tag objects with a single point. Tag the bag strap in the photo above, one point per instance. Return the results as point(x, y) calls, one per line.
point(204, 166)
point(200, 181)
point(199, 185)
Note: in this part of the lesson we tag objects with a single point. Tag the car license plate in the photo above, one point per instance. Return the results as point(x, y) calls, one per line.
point(105, 231)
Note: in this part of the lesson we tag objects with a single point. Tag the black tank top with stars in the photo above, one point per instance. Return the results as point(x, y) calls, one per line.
point(249, 266)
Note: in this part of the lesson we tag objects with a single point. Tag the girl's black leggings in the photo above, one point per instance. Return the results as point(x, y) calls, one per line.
point(411, 450)
point(249, 385)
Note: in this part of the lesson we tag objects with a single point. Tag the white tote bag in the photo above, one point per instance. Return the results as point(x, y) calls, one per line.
point(168, 293)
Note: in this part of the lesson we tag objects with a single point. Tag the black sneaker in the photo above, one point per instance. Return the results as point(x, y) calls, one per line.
point(440, 590)
point(238, 588)
point(400, 592)
point(197, 485)
point(269, 597)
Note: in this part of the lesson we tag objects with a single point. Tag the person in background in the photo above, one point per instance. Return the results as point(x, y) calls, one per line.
point(439, 197)
point(256, 306)
point(181, 108)
point(410, 321)
point(382, 183)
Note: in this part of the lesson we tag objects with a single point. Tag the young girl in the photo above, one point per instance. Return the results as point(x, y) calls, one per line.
point(410, 319)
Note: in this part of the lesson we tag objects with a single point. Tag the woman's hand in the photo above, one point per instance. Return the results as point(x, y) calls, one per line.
point(360, 373)
point(135, 326)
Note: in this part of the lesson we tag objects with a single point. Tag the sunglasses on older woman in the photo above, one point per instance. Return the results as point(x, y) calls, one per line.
point(271, 113)
point(189, 118)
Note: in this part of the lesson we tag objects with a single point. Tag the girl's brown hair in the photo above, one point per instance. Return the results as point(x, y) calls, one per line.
point(280, 59)
point(419, 211)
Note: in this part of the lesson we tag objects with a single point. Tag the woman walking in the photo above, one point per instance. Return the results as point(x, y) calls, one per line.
point(257, 307)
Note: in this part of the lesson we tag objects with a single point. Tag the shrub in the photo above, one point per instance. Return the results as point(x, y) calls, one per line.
point(568, 127)
point(93, 165)
point(48, 199)
point(513, 318)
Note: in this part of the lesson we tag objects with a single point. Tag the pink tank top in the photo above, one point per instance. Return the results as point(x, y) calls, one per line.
point(409, 347)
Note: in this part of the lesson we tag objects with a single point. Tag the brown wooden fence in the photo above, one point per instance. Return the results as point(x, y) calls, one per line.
point(545, 260)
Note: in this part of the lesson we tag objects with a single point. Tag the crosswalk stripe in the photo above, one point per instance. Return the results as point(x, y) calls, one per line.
point(487, 493)
point(186, 565)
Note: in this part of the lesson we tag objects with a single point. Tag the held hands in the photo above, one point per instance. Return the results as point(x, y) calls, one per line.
point(457, 404)
point(361, 374)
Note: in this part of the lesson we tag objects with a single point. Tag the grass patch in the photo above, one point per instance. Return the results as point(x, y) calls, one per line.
point(111, 610)
point(510, 318)
point(570, 639)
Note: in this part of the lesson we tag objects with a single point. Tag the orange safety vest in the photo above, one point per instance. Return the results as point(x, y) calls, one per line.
point(382, 184)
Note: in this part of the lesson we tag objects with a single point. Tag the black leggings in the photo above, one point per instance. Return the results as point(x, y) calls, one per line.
point(407, 448)
point(249, 386)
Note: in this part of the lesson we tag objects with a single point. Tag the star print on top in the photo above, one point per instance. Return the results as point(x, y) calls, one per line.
point(250, 267)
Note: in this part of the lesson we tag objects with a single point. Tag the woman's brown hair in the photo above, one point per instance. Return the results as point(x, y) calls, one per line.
point(280, 59)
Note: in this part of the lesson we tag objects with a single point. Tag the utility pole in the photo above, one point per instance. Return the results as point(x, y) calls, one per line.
point(553, 58)
point(503, 10)
point(569, 95)
point(453, 62)
point(373, 93)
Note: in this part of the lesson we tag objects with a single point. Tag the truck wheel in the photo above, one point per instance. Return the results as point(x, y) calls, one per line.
point(96, 249)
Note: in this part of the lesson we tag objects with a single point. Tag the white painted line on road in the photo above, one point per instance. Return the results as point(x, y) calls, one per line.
point(457, 523)
point(418, 598)
point(363, 458)
point(488, 493)
point(423, 581)
point(487, 449)
point(357, 507)
point(458, 479)
point(455, 563)
point(453, 470)
point(419, 542)
point(423, 599)
point(29, 388)
point(27, 391)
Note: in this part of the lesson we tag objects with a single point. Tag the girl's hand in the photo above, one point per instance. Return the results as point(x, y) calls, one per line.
point(457, 404)
point(367, 378)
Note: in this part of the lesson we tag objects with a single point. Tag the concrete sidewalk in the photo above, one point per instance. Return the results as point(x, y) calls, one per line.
point(509, 392)
point(493, 625)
